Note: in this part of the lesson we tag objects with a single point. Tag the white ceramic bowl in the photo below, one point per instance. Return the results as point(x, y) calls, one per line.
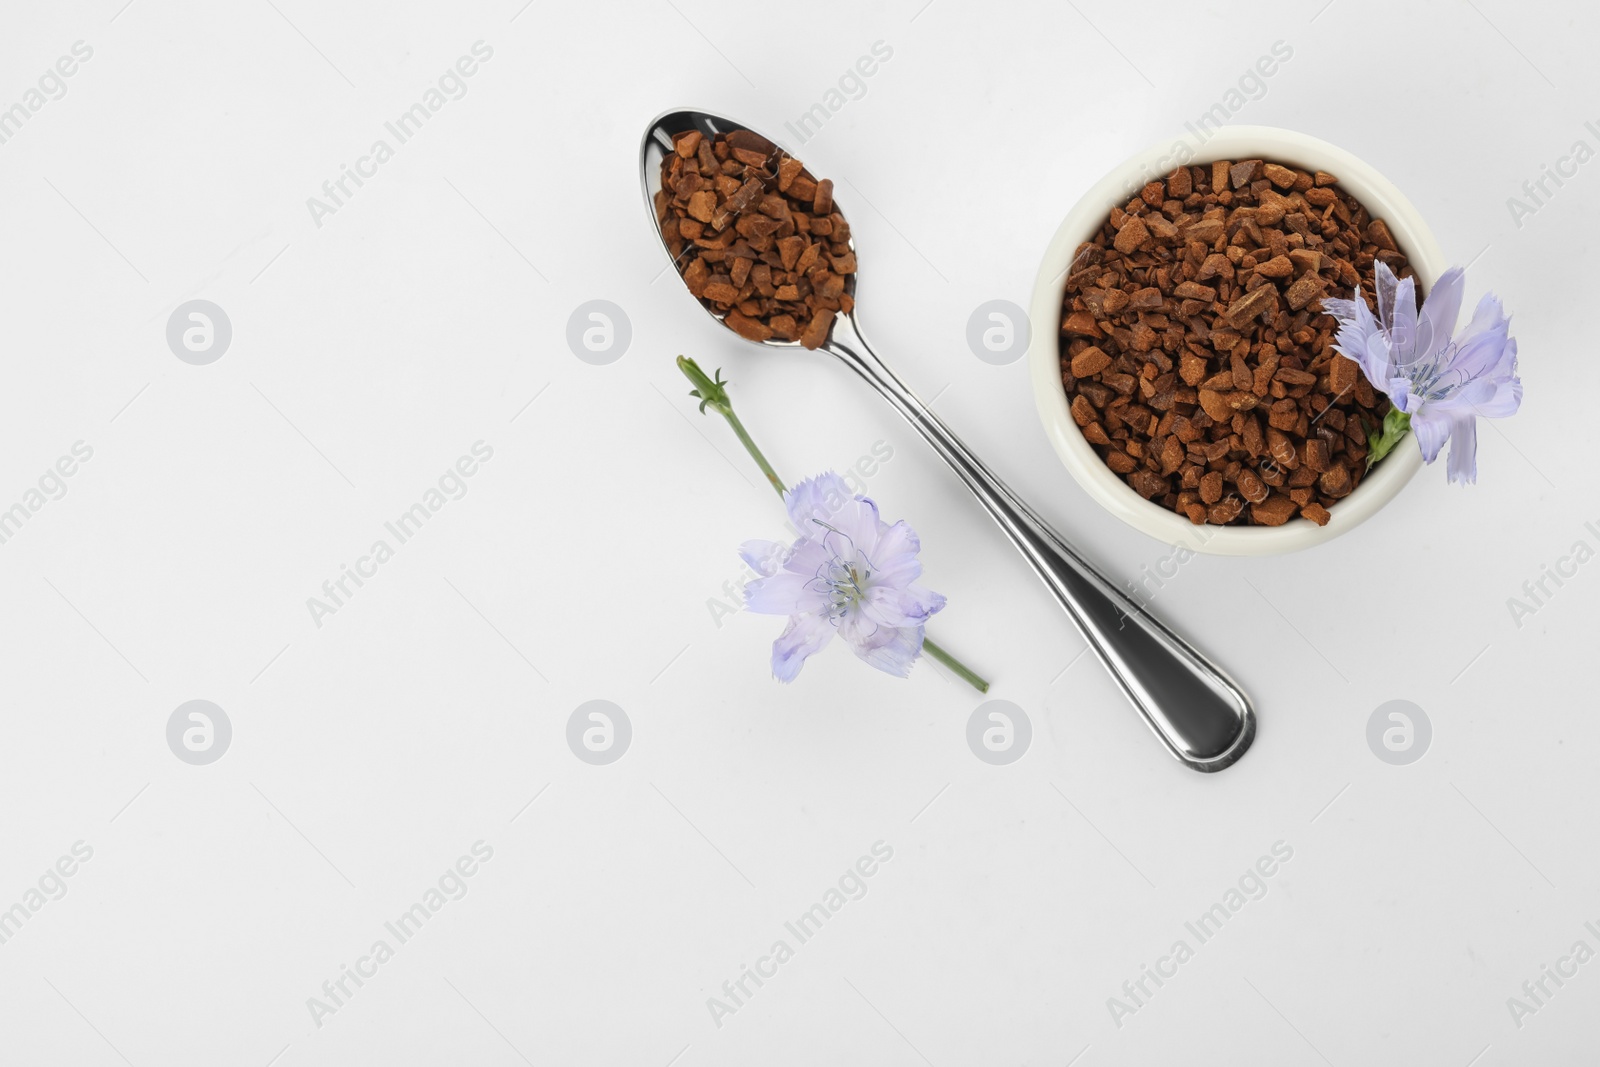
point(1379, 196)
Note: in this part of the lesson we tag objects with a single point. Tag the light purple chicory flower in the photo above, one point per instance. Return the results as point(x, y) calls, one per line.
point(1441, 383)
point(849, 573)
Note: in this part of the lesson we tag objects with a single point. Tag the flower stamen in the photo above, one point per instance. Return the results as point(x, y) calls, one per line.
point(843, 581)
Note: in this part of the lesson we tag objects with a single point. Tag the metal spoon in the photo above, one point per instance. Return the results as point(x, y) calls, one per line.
point(1198, 712)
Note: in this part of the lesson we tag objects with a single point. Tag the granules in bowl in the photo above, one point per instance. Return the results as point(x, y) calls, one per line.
point(755, 236)
point(1194, 352)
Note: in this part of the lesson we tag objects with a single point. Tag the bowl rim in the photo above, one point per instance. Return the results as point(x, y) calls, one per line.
point(1380, 196)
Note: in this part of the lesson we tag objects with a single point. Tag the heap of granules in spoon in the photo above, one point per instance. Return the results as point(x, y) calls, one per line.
point(1195, 352)
point(755, 236)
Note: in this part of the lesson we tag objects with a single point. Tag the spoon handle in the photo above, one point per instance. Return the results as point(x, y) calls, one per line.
point(1197, 711)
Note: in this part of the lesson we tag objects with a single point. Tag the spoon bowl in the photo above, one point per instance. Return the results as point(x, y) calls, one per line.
point(1199, 714)
point(657, 144)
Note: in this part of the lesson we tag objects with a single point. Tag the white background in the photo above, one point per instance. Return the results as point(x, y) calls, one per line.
point(372, 751)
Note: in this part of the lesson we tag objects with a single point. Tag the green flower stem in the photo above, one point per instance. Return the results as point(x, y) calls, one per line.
point(750, 447)
point(961, 670)
point(712, 394)
point(1396, 424)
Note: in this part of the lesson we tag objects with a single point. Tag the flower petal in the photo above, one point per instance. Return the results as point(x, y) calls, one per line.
point(1486, 347)
point(896, 651)
point(855, 530)
point(860, 628)
point(1376, 357)
point(805, 636)
point(1387, 287)
point(906, 605)
point(1485, 316)
point(764, 557)
point(820, 496)
point(1399, 390)
point(809, 556)
point(1463, 466)
point(1432, 428)
point(784, 593)
point(1404, 348)
point(1339, 309)
point(894, 559)
point(1494, 399)
point(1439, 312)
point(1361, 338)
